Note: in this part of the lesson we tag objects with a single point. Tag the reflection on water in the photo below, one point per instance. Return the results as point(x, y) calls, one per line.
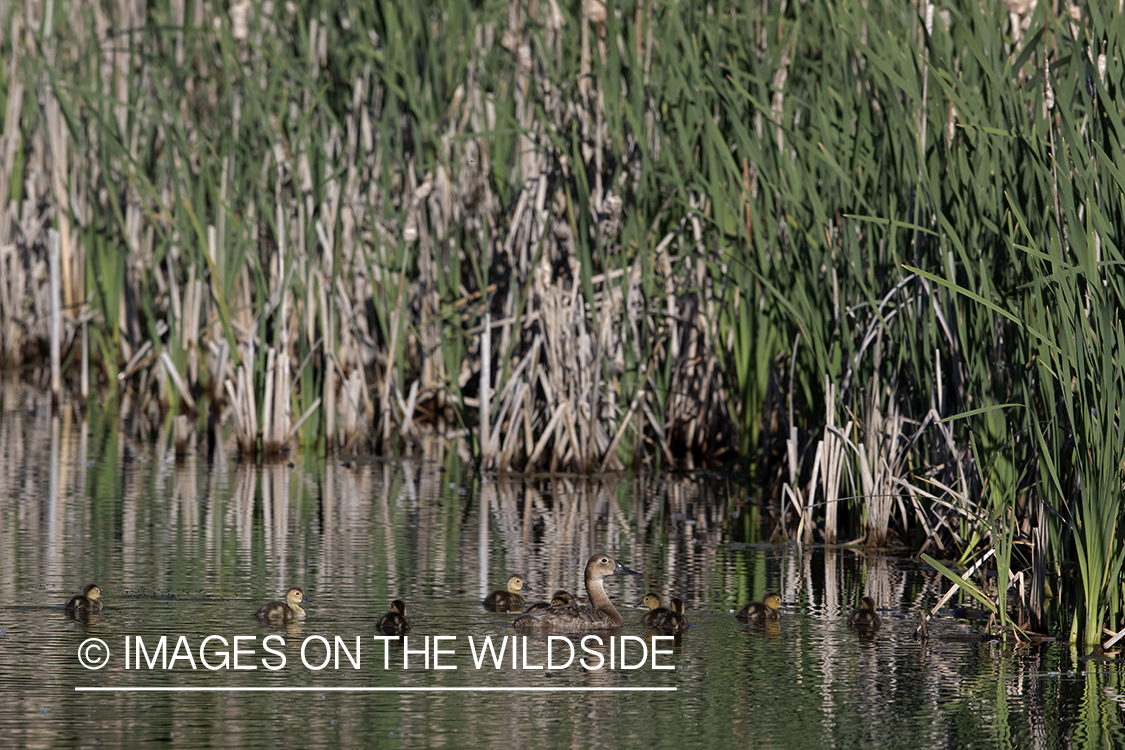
point(189, 551)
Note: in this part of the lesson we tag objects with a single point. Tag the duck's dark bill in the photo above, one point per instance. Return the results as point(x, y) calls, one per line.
point(621, 570)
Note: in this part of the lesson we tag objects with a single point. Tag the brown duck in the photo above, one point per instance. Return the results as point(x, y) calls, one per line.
point(507, 601)
point(667, 620)
point(286, 611)
point(85, 604)
point(395, 621)
point(576, 617)
point(767, 609)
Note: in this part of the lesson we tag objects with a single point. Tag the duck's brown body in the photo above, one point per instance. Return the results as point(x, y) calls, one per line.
point(283, 612)
point(559, 599)
point(86, 603)
point(599, 614)
point(667, 620)
point(507, 601)
point(395, 621)
point(865, 619)
point(767, 609)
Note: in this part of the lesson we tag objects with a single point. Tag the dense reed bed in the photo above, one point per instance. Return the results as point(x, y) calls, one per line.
point(591, 236)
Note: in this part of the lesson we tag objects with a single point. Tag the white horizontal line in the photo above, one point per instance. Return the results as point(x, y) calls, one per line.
point(136, 689)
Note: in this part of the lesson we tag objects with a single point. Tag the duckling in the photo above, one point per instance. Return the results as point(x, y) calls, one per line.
point(767, 609)
point(286, 611)
point(670, 621)
point(559, 598)
point(86, 603)
point(865, 619)
point(507, 601)
point(575, 617)
point(394, 622)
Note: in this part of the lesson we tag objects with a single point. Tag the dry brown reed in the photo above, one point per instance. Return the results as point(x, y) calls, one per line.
point(381, 294)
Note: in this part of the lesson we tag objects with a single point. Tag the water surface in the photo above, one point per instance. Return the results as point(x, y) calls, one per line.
point(186, 549)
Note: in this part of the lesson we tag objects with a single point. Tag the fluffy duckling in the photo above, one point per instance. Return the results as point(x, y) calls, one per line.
point(86, 603)
point(286, 611)
point(669, 621)
point(865, 619)
point(767, 609)
point(394, 622)
point(559, 598)
point(507, 601)
point(576, 617)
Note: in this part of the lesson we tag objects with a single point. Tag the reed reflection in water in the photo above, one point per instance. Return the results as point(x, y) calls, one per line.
point(186, 548)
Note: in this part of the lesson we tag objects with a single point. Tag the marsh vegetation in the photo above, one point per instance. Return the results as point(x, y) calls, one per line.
point(871, 249)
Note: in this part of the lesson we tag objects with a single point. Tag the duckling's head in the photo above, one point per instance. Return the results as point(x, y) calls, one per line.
point(565, 596)
point(295, 596)
point(600, 566)
point(867, 604)
point(677, 606)
point(652, 601)
point(772, 600)
point(515, 584)
point(92, 592)
point(398, 605)
point(559, 601)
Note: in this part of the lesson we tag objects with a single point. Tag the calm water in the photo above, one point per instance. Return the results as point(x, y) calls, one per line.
point(189, 550)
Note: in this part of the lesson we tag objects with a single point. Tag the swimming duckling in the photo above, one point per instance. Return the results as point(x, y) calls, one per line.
point(767, 609)
point(560, 598)
point(394, 622)
point(576, 617)
point(865, 618)
point(670, 621)
point(286, 611)
point(507, 601)
point(86, 603)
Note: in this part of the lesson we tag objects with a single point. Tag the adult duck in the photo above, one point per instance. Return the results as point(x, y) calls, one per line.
point(767, 609)
point(599, 614)
point(286, 611)
point(86, 603)
point(394, 622)
point(510, 600)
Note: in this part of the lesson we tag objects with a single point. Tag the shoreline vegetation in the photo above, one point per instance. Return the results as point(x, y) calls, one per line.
point(872, 248)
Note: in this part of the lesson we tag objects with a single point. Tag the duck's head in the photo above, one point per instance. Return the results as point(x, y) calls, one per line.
point(867, 604)
point(295, 596)
point(772, 600)
point(92, 592)
point(398, 605)
point(600, 566)
point(559, 601)
point(515, 584)
point(677, 606)
point(652, 601)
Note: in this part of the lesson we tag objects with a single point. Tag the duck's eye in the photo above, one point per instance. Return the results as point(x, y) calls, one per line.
point(605, 559)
